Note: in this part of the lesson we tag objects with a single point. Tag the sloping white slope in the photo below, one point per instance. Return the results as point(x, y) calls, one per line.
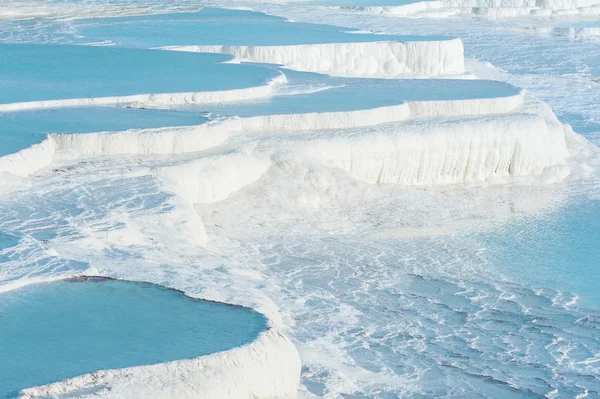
point(29, 160)
point(213, 178)
point(445, 152)
point(266, 368)
point(368, 59)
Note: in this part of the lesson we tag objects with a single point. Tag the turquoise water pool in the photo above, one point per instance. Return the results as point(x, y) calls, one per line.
point(213, 26)
point(19, 130)
point(559, 249)
point(51, 72)
point(347, 94)
point(63, 329)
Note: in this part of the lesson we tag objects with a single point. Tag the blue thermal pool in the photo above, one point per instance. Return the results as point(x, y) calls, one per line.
point(53, 331)
point(215, 26)
point(558, 249)
point(348, 94)
point(53, 72)
point(19, 130)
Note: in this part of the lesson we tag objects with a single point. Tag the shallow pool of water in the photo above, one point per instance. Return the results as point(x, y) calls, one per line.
point(214, 26)
point(559, 249)
point(53, 331)
point(48, 72)
point(311, 92)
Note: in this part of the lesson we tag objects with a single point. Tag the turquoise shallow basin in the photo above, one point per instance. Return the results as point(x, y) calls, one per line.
point(51, 72)
point(558, 249)
point(50, 332)
point(349, 94)
point(214, 26)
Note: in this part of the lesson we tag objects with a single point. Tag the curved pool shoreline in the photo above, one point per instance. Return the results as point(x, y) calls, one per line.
point(242, 368)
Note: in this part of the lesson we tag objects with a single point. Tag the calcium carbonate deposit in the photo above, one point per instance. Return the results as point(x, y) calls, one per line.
point(404, 193)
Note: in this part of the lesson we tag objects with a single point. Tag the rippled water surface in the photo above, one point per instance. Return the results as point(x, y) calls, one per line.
point(43, 72)
point(559, 250)
point(406, 319)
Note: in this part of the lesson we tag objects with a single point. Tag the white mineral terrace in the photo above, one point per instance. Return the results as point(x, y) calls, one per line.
point(414, 142)
point(368, 59)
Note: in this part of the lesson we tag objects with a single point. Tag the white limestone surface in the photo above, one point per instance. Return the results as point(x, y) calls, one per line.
point(418, 151)
point(433, 152)
point(465, 107)
point(365, 59)
point(566, 31)
point(170, 140)
point(29, 160)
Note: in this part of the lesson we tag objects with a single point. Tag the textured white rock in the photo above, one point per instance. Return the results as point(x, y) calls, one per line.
point(173, 140)
point(420, 151)
point(367, 59)
point(266, 368)
point(326, 120)
point(29, 160)
point(480, 106)
point(213, 178)
point(444, 152)
point(178, 140)
point(187, 139)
